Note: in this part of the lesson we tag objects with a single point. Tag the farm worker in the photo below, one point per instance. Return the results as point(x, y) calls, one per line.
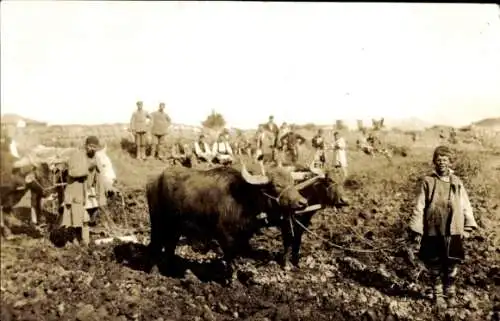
point(290, 142)
point(222, 151)
point(453, 136)
point(160, 122)
point(377, 145)
point(181, 153)
point(139, 126)
point(242, 145)
point(202, 150)
point(85, 191)
point(363, 144)
point(318, 143)
point(441, 219)
point(260, 136)
point(284, 129)
point(339, 147)
point(271, 127)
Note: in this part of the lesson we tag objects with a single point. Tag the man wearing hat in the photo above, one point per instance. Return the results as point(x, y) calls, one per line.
point(160, 122)
point(318, 143)
point(85, 191)
point(139, 127)
point(290, 142)
point(274, 130)
point(340, 146)
point(441, 219)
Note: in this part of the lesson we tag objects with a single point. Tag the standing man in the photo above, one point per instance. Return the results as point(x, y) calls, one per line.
point(339, 146)
point(260, 136)
point(159, 129)
point(290, 142)
point(139, 126)
point(318, 143)
point(274, 130)
point(85, 191)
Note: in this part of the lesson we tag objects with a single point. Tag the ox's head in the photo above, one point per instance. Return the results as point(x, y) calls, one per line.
point(324, 187)
point(106, 169)
point(279, 185)
point(35, 176)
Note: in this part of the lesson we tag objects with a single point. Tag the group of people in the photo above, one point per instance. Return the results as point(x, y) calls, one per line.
point(282, 143)
point(180, 152)
point(442, 217)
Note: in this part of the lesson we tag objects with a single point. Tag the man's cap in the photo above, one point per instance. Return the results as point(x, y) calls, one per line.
point(92, 140)
point(442, 151)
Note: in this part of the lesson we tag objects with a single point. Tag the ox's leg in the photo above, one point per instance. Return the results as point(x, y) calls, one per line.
point(286, 234)
point(170, 238)
point(36, 209)
point(3, 227)
point(297, 239)
point(155, 246)
point(228, 245)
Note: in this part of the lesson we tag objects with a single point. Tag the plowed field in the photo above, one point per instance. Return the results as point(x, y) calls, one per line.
point(355, 263)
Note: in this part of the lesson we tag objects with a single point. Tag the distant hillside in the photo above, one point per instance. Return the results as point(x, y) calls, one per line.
point(407, 124)
point(14, 118)
point(488, 122)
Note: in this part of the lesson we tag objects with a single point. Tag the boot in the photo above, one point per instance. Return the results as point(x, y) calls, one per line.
point(85, 240)
point(438, 295)
point(161, 153)
point(449, 286)
point(153, 152)
point(450, 295)
point(140, 154)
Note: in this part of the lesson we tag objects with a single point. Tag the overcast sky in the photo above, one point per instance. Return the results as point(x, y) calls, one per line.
point(89, 61)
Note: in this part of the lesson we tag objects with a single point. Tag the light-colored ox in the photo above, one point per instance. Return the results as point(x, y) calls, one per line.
point(54, 156)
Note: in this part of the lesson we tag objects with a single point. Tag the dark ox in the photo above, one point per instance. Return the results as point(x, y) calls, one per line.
point(220, 203)
point(319, 188)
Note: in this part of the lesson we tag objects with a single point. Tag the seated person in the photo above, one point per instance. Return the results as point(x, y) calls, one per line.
point(181, 154)
point(202, 151)
point(223, 154)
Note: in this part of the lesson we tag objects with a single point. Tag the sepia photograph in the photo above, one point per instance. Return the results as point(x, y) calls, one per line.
point(258, 161)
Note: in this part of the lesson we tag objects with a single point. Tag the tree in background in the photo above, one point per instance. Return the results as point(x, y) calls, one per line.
point(214, 121)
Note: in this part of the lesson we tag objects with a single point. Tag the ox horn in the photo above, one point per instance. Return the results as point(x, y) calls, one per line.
point(319, 174)
point(307, 182)
point(253, 179)
point(262, 168)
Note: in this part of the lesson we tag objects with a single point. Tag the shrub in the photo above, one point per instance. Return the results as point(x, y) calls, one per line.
point(467, 165)
point(214, 121)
